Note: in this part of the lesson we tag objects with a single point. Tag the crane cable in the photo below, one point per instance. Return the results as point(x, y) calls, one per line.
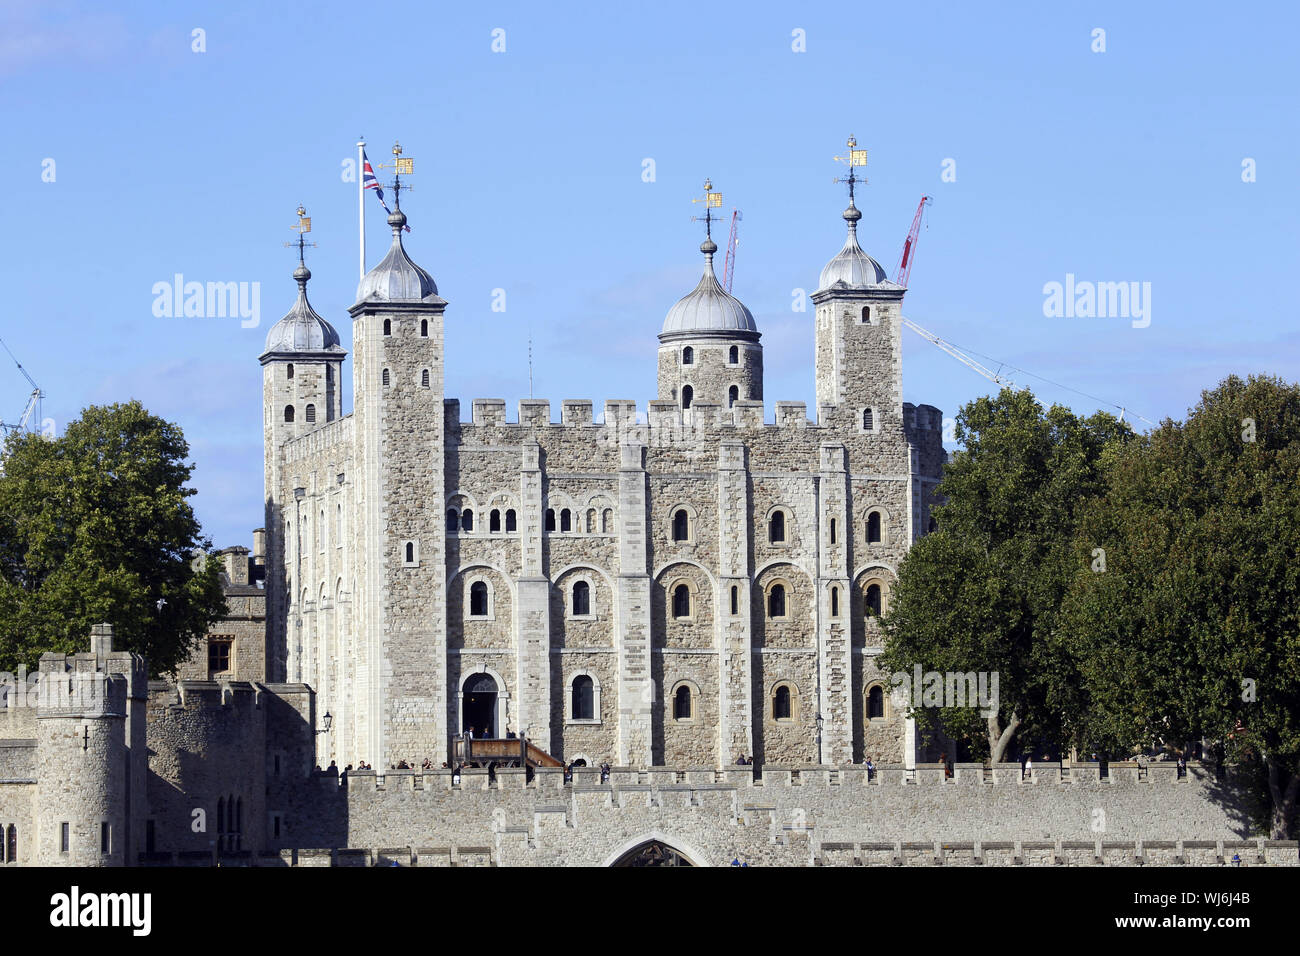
point(1122, 409)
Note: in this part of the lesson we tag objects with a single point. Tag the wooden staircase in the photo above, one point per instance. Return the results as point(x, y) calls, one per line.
point(503, 751)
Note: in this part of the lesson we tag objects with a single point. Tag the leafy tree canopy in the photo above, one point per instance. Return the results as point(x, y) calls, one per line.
point(96, 526)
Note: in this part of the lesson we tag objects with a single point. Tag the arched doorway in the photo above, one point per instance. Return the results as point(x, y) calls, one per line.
point(479, 705)
point(652, 853)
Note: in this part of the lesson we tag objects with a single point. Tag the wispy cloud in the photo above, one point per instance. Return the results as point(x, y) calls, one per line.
point(33, 36)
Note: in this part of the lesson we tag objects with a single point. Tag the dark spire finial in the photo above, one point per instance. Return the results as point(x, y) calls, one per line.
point(712, 200)
point(302, 273)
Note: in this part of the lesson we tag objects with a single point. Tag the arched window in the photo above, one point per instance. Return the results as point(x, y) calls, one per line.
point(687, 394)
point(681, 525)
point(873, 600)
point(467, 520)
point(688, 356)
point(584, 698)
point(478, 599)
point(681, 601)
point(424, 378)
point(591, 520)
point(868, 420)
point(510, 519)
point(581, 597)
point(311, 413)
point(550, 519)
point(566, 520)
point(776, 601)
point(410, 552)
point(385, 377)
point(735, 599)
point(424, 328)
point(388, 327)
point(776, 527)
point(781, 703)
point(733, 393)
point(835, 602)
point(682, 703)
point(494, 520)
point(873, 528)
point(453, 521)
point(288, 413)
point(934, 525)
point(733, 356)
point(289, 371)
point(876, 702)
point(607, 521)
point(866, 315)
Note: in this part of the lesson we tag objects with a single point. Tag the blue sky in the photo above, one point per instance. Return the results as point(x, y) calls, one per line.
point(1123, 165)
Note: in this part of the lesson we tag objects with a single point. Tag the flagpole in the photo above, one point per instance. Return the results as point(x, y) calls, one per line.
point(361, 203)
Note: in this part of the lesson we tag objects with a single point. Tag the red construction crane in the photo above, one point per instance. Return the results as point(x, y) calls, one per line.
point(729, 268)
point(904, 269)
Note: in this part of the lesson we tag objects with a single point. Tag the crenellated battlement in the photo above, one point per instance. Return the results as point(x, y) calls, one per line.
point(321, 438)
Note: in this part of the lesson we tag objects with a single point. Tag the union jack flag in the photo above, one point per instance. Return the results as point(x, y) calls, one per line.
point(368, 181)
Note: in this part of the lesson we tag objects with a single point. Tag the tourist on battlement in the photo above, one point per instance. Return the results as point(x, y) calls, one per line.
point(871, 768)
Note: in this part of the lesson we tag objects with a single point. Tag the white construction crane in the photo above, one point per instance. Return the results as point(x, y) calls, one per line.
point(996, 377)
point(33, 400)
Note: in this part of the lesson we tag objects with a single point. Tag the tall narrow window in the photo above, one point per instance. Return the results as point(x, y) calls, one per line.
point(688, 356)
point(388, 327)
point(681, 525)
point(467, 520)
point(424, 328)
point(835, 602)
point(410, 552)
point(682, 703)
point(581, 597)
point(289, 371)
point(776, 601)
point(104, 842)
point(424, 378)
point(584, 698)
point(478, 599)
point(873, 600)
point(607, 521)
point(781, 703)
point(385, 377)
point(494, 520)
point(734, 355)
point(566, 520)
point(453, 521)
point(868, 420)
point(64, 837)
point(681, 601)
point(866, 315)
point(876, 702)
point(832, 531)
point(288, 413)
point(550, 519)
point(733, 393)
point(873, 528)
point(591, 520)
point(687, 394)
point(510, 519)
point(735, 599)
point(776, 527)
point(311, 413)
point(11, 843)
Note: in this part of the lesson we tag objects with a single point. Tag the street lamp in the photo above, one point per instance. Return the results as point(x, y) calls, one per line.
point(327, 721)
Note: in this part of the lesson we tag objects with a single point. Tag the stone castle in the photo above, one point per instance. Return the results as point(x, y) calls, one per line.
point(663, 590)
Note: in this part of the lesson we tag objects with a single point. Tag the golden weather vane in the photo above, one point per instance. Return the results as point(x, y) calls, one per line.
point(303, 227)
point(712, 200)
point(856, 157)
point(401, 166)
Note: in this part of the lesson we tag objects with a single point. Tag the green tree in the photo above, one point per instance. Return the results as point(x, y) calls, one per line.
point(983, 591)
point(95, 526)
point(1193, 629)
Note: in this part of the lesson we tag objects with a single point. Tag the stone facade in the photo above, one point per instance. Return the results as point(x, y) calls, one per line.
point(385, 519)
